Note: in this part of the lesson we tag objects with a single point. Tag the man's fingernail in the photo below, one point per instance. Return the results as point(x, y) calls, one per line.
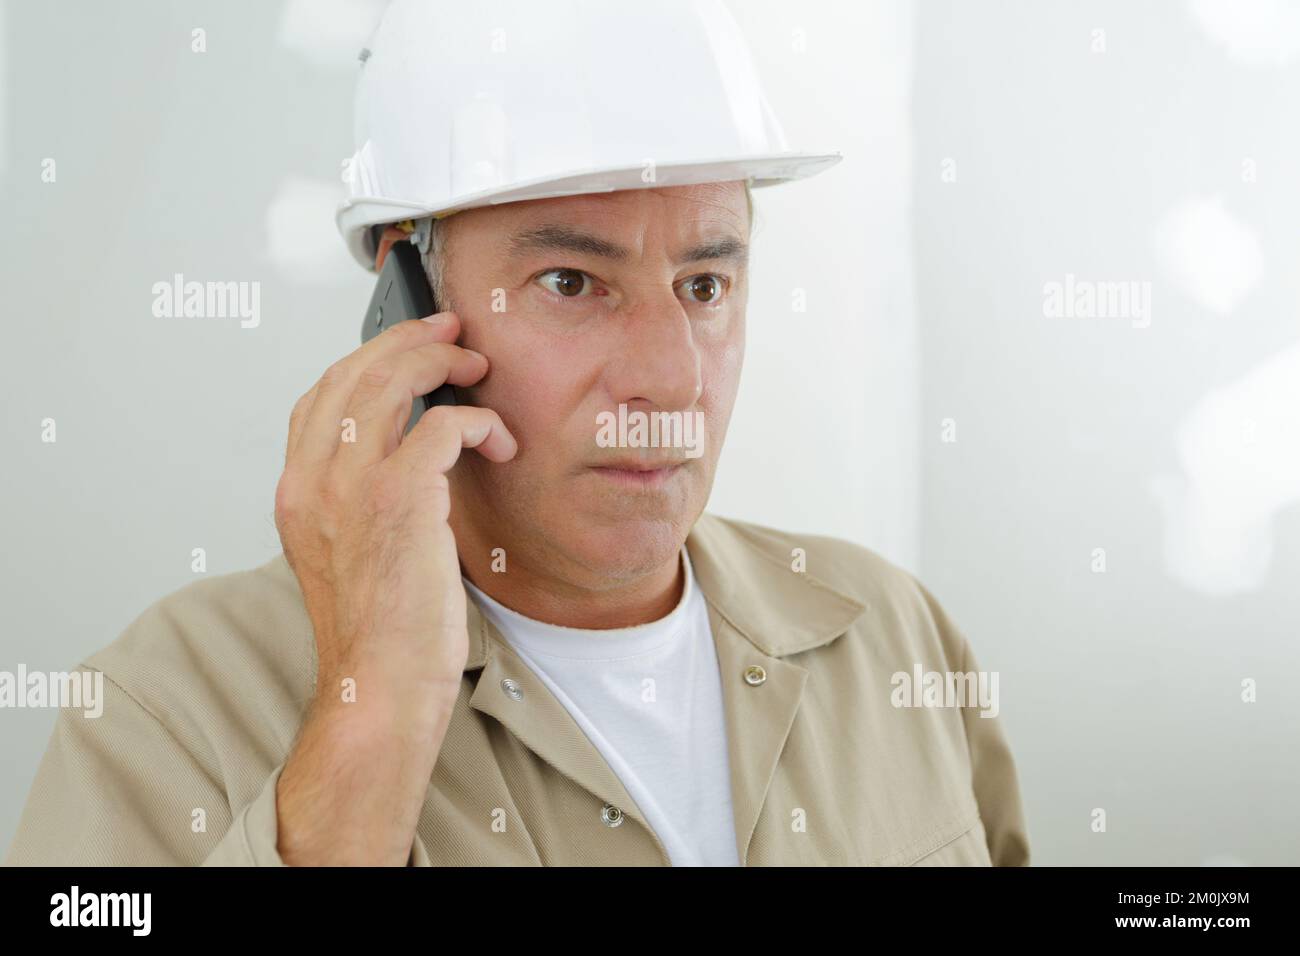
point(437, 319)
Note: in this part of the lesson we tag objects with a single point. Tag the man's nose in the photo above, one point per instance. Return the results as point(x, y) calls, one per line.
point(657, 361)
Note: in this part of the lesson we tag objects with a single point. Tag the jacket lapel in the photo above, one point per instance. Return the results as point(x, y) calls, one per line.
point(534, 716)
point(760, 611)
point(758, 720)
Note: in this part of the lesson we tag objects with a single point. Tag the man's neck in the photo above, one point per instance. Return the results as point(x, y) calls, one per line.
point(543, 595)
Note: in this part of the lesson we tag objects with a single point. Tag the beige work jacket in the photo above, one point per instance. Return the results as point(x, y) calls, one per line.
point(205, 691)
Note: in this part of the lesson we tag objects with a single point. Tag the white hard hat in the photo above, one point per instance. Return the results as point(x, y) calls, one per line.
point(463, 104)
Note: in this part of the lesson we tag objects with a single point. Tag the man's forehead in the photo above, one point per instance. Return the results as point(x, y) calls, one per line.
point(702, 222)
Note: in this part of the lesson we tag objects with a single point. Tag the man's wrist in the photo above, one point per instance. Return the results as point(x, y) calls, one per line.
point(370, 698)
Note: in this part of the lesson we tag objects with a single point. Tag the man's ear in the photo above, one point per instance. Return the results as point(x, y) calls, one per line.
point(390, 235)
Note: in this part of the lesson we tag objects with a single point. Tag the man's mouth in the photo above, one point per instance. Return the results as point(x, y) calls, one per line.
point(639, 473)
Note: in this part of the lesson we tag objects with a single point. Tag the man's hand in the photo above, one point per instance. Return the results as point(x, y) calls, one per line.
point(362, 514)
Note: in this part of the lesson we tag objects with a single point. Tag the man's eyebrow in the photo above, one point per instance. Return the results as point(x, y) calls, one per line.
point(724, 247)
point(568, 239)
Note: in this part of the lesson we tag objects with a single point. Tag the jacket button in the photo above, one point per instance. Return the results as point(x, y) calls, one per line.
point(512, 689)
point(611, 815)
point(754, 675)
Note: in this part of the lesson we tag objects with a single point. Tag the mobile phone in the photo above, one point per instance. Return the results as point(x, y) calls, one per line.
point(403, 293)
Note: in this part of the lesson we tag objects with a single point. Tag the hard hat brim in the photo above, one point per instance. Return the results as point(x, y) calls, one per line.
point(355, 216)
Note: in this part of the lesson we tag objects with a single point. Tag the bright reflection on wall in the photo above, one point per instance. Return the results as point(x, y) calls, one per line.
point(1211, 256)
point(1240, 454)
point(1257, 33)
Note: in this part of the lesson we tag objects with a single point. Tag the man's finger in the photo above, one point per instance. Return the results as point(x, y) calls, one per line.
point(323, 429)
point(381, 403)
point(436, 441)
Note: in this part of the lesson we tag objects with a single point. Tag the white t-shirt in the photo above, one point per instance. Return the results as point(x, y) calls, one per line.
point(650, 699)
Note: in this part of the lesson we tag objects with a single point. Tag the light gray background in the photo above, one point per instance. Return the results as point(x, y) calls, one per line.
point(1175, 448)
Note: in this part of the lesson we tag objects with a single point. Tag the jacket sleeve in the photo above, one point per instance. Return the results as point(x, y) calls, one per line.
point(993, 770)
point(120, 789)
point(252, 838)
point(997, 786)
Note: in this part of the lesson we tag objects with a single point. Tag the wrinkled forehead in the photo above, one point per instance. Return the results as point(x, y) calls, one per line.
point(625, 218)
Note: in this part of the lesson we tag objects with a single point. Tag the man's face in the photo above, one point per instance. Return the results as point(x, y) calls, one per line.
point(583, 304)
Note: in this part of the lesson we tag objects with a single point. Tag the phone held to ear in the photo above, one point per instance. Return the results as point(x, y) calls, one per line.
point(403, 293)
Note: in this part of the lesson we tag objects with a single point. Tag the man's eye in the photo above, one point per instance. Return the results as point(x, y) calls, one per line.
point(569, 283)
point(705, 289)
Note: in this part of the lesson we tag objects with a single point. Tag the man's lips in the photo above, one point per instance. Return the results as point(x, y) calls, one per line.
point(638, 473)
point(640, 464)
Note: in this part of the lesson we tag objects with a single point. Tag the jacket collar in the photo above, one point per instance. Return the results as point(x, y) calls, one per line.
point(749, 582)
point(760, 610)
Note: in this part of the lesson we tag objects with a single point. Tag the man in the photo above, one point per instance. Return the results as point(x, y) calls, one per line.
point(512, 636)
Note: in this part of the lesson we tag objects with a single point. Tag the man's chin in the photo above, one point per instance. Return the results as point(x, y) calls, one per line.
point(623, 546)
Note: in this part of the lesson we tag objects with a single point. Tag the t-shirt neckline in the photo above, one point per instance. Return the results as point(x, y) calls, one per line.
point(590, 644)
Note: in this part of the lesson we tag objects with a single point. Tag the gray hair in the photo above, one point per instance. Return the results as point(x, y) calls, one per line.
point(435, 264)
point(435, 260)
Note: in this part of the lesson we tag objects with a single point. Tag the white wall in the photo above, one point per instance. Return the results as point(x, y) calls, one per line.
point(1174, 447)
point(825, 435)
